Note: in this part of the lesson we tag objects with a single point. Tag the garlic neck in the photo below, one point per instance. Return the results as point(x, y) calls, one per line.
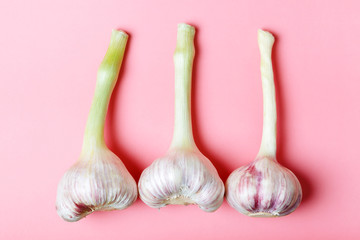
point(268, 142)
point(106, 79)
point(183, 60)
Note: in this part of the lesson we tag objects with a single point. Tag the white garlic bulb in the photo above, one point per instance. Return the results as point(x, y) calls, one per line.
point(264, 188)
point(99, 180)
point(184, 175)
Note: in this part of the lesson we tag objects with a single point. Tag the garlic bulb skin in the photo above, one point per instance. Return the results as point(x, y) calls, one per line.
point(184, 175)
point(98, 180)
point(264, 188)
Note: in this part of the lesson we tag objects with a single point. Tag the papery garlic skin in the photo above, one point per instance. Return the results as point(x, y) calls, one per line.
point(184, 175)
point(263, 188)
point(98, 180)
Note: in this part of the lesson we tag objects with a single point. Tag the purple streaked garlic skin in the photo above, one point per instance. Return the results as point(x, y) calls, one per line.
point(263, 188)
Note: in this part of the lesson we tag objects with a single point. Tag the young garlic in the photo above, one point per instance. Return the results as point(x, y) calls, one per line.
point(98, 180)
point(183, 176)
point(264, 188)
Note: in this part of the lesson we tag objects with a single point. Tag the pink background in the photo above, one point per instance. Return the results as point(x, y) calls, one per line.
point(50, 51)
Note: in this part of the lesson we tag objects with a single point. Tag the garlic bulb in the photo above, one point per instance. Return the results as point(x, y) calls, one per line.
point(264, 188)
point(183, 176)
point(98, 180)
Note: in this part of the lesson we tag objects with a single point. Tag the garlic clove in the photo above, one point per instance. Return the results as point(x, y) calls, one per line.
point(263, 188)
point(183, 176)
point(99, 180)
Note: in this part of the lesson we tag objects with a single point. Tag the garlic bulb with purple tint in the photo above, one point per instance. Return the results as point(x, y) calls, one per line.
point(184, 175)
point(98, 180)
point(264, 188)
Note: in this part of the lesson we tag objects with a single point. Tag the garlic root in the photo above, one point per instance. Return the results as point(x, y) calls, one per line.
point(184, 175)
point(264, 188)
point(98, 180)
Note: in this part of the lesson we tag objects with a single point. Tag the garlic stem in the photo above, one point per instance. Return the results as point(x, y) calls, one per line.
point(264, 188)
point(268, 142)
point(183, 60)
point(107, 76)
point(183, 175)
point(98, 181)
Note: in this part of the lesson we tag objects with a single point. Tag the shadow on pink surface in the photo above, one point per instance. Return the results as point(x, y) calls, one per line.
point(282, 129)
point(219, 163)
point(112, 125)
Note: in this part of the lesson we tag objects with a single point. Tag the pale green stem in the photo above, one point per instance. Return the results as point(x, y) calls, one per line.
point(107, 76)
point(183, 60)
point(268, 142)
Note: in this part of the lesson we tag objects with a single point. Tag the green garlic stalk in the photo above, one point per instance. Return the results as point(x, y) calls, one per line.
point(98, 180)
